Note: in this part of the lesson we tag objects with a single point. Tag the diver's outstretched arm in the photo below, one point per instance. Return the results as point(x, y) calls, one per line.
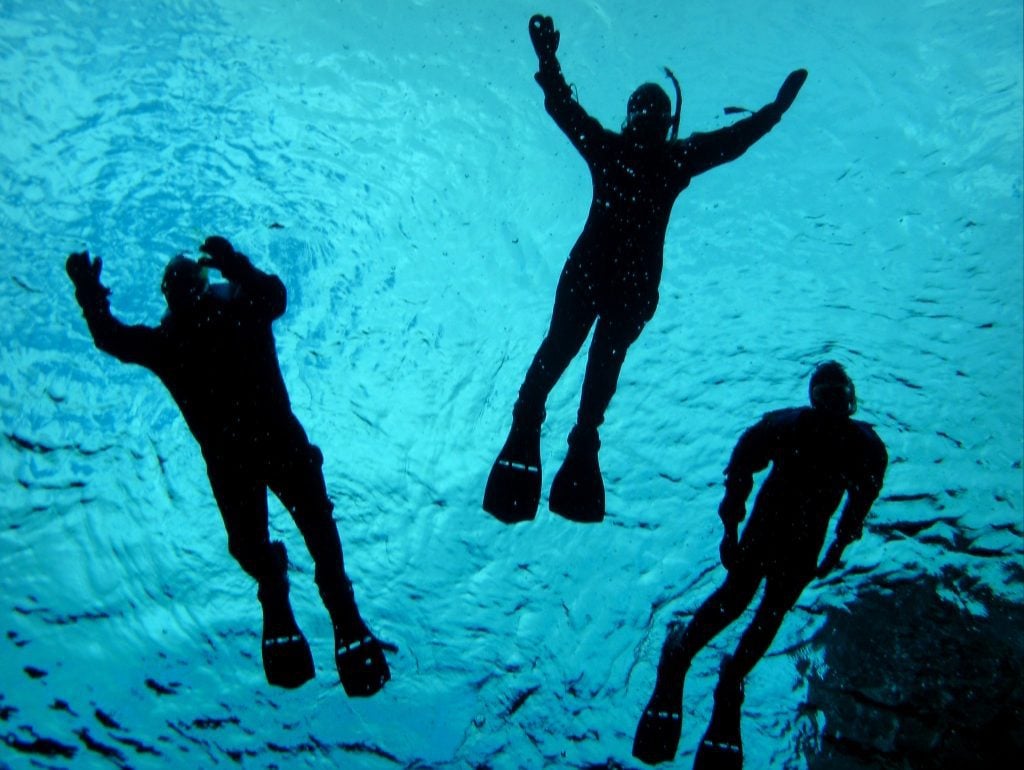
point(567, 113)
point(789, 89)
point(703, 151)
point(545, 39)
point(131, 344)
point(264, 293)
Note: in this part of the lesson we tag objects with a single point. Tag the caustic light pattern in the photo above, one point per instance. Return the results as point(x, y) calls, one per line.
point(394, 164)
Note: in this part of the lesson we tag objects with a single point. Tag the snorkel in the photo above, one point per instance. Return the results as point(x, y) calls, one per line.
point(674, 134)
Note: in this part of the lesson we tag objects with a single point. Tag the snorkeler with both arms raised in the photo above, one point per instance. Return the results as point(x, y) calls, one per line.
point(612, 275)
point(817, 455)
point(214, 350)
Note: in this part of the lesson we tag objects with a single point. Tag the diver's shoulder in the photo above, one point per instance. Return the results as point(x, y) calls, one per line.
point(788, 414)
point(866, 431)
point(784, 419)
point(863, 426)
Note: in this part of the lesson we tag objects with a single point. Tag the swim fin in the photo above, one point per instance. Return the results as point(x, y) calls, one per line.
point(721, 748)
point(658, 733)
point(287, 661)
point(577, 491)
point(513, 486)
point(362, 667)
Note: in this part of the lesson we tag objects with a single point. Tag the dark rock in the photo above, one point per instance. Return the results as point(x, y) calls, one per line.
point(919, 674)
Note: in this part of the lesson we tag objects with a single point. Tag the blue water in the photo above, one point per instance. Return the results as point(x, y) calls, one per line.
point(428, 204)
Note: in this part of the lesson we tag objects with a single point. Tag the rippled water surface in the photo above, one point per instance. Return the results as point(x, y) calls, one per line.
point(393, 163)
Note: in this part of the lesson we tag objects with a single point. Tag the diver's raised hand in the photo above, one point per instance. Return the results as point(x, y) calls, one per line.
point(221, 256)
point(83, 270)
point(218, 250)
point(790, 88)
point(84, 273)
point(544, 36)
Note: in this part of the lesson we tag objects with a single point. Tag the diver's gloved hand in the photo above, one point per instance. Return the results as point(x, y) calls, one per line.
point(729, 548)
point(544, 36)
point(85, 275)
point(222, 257)
point(790, 88)
point(732, 510)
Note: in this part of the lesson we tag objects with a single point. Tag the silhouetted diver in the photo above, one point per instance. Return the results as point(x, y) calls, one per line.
point(215, 352)
point(817, 453)
point(612, 274)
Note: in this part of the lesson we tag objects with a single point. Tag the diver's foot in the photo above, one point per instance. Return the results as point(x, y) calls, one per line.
point(721, 748)
point(714, 755)
point(660, 727)
point(287, 661)
point(513, 486)
point(362, 667)
point(577, 491)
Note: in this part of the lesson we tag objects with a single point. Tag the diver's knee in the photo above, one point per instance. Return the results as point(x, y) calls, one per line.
point(257, 558)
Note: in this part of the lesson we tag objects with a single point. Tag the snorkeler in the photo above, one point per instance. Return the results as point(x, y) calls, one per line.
point(214, 350)
point(817, 453)
point(612, 274)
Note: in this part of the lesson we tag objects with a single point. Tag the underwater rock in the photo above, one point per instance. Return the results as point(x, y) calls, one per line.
point(923, 673)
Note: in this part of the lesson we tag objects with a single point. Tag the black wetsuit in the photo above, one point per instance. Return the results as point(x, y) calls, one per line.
point(220, 365)
point(816, 457)
point(614, 269)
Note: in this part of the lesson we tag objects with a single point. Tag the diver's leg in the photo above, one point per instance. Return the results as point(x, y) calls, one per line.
point(780, 594)
point(612, 339)
point(242, 500)
point(577, 491)
point(661, 724)
point(716, 613)
point(298, 481)
point(571, 318)
point(514, 483)
point(722, 744)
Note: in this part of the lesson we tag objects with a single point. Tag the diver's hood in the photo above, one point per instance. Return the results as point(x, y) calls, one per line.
point(649, 111)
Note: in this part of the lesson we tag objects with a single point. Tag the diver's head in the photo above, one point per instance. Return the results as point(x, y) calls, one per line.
point(832, 390)
point(184, 282)
point(648, 113)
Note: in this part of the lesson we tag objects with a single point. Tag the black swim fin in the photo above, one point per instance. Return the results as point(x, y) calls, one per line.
point(362, 667)
point(721, 748)
point(513, 486)
point(657, 734)
point(287, 661)
point(577, 491)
